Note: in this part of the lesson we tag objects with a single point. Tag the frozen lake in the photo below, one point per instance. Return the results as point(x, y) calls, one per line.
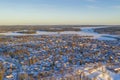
point(90, 31)
point(85, 31)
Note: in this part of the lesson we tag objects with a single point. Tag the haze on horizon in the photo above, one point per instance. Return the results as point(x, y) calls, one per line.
point(40, 12)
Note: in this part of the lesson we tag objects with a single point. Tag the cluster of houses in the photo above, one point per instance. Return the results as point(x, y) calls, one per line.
point(58, 57)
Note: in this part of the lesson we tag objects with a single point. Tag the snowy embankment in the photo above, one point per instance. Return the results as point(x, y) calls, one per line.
point(85, 31)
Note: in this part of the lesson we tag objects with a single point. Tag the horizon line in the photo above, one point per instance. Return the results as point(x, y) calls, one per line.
point(58, 24)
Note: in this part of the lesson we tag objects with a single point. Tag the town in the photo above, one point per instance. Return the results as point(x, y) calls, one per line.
point(59, 39)
point(59, 57)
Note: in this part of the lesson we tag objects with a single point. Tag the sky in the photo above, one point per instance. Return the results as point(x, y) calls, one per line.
point(59, 12)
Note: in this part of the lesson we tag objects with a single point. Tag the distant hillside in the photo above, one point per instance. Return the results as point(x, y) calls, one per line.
point(110, 30)
point(6, 28)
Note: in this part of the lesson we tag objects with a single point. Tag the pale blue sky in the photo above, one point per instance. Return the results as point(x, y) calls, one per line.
point(20, 12)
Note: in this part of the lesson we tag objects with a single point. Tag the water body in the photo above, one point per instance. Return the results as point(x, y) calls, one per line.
point(86, 31)
point(90, 31)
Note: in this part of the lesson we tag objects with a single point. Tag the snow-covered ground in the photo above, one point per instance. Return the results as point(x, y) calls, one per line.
point(114, 75)
point(85, 31)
